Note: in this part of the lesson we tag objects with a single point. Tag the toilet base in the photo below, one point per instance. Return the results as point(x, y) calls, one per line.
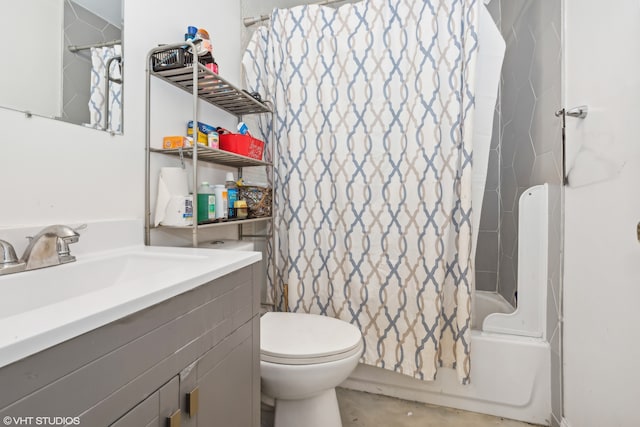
point(318, 411)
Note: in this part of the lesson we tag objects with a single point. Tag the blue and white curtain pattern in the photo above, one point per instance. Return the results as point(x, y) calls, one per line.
point(373, 106)
point(97, 108)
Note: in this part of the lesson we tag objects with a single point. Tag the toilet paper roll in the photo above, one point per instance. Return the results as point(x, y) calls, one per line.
point(172, 183)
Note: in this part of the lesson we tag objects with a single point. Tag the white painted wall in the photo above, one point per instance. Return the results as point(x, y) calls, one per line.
point(602, 260)
point(55, 172)
point(37, 25)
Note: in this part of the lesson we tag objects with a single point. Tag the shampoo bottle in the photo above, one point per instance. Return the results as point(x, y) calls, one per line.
point(232, 194)
point(222, 210)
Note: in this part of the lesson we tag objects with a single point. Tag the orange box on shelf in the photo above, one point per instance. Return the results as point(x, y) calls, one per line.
point(176, 141)
point(244, 145)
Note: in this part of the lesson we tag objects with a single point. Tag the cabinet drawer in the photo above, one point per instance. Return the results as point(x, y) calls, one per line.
point(154, 410)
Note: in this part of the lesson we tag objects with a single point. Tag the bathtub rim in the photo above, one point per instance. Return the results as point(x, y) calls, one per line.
point(533, 357)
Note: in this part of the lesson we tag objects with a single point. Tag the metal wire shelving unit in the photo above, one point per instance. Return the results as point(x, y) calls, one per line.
point(204, 85)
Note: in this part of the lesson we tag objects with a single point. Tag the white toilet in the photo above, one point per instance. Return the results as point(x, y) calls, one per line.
point(303, 357)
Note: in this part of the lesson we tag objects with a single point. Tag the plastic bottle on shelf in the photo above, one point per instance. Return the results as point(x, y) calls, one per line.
point(191, 33)
point(213, 139)
point(205, 45)
point(222, 210)
point(211, 63)
point(232, 193)
point(206, 203)
point(243, 129)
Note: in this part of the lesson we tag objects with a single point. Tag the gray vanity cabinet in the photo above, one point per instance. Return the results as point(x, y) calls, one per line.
point(192, 360)
point(222, 380)
point(152, 411)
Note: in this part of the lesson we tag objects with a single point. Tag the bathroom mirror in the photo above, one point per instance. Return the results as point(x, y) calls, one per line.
point(51, 69)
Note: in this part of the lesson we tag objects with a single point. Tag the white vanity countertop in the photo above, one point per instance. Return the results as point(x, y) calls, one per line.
point(42, 308)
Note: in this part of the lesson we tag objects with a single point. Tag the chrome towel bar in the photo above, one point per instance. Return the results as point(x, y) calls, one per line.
point(577, 112)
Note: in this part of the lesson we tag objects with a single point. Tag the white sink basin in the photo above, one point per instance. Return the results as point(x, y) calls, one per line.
point(41, 308)
point(38, 288)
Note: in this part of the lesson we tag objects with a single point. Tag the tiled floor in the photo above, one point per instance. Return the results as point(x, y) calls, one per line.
point(360, 409)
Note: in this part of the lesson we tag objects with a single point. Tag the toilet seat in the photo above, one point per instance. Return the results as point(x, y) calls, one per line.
point(304, 339)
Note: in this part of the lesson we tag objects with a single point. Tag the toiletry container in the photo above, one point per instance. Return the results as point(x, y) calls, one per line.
point(205, 45)
point(243, 129)
point(222, 210)
point(206, 203)
point(213, 139)
point(232, 194)
point(191, 33)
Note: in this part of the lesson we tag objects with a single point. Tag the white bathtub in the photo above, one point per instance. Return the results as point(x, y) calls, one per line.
point(509, 374)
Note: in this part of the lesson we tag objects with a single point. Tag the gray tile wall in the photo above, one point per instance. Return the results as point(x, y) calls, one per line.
point(526, 144)
point(81, 27)
point(487, 261)
point(528, 141)
point(531, 134)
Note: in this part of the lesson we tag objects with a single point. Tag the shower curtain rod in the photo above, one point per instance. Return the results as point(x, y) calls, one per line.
point(75, 48)
point(255, 19)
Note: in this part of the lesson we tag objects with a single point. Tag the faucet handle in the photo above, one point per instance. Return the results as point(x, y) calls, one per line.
point(9, 262)
point(63, 242)
point(62, 245)
point(8, 254)
point(64, 254)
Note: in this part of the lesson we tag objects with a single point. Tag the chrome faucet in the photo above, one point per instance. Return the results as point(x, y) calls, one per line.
point(9, 262)
point(50, 247)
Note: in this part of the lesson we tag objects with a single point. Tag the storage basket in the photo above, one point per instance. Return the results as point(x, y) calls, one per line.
point(173, 58)
point(258, 200)
point(244, 145)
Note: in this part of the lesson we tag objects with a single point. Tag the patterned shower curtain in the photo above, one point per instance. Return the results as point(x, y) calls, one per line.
point(373, 106)
point(97, 109)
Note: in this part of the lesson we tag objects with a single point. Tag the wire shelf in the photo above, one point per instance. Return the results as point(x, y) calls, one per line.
point(213, 155)
point(218, 224)
point(213, 89)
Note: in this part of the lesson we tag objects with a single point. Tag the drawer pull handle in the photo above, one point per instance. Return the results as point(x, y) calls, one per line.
point(192, 401)
point(174, 419)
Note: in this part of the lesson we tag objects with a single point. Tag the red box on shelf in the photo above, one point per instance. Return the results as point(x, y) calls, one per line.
point(244, 145)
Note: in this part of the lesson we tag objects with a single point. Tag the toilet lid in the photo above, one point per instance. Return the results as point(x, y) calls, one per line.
point(296, 336)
